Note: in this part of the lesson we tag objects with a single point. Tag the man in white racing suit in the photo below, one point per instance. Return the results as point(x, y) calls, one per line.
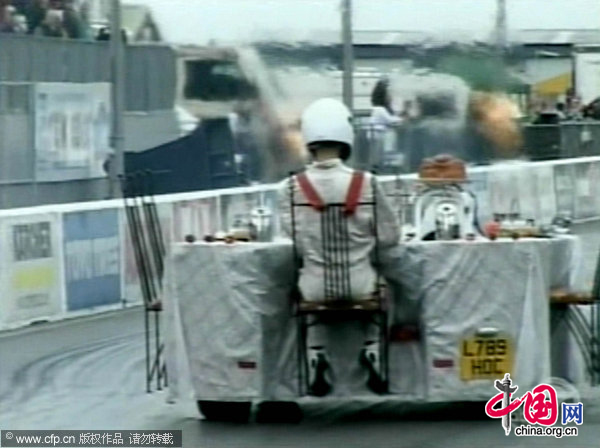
point(328, 133)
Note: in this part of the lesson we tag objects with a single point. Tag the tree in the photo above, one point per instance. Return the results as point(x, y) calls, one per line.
point(483, 72)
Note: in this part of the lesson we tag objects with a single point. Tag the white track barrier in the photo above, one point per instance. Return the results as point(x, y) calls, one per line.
point(61, 261)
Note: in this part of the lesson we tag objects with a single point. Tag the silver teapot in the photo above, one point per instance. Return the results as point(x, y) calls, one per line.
point(261, 220)
point(447, 222)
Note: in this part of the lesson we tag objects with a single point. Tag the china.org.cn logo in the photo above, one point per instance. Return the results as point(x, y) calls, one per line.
point(540, 410)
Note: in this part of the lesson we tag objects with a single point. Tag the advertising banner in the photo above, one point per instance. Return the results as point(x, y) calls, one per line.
point(586, 190)
point(545, 194)
point(594, 175)
point(478, 185)
point(237, 208)
point(504, 195)
point(72, 130)
point(528, 193)
point(199, 217)
point(92, 257)
point(564, 186)
point(31, 274)
point(270, 201)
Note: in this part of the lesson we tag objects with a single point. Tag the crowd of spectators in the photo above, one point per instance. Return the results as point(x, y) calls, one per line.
point(572, 109)
point(51, 18)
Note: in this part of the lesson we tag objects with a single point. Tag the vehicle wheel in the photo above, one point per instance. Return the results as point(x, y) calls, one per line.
point(278, 412)
point(471, 410)
point(225, 411)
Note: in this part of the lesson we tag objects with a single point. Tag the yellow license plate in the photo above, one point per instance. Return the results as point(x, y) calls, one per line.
point(485, 358)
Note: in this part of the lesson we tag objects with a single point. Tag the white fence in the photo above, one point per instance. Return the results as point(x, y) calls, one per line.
point(61, 261)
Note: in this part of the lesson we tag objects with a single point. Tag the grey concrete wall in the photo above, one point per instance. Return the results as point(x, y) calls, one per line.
point(29, 194)
point(16, 148)
point(150, 77)
point(17, 188)
point(150, 70)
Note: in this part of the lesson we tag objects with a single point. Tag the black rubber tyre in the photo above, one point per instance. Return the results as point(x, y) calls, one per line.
point(225, 411)
point(278, 412)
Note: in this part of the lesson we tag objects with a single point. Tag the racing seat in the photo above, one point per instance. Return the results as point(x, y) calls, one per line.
point(339, 303)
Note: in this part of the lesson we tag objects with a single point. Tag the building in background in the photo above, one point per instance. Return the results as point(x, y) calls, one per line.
point(538, 67)
point(50, 114)
point(173, 87)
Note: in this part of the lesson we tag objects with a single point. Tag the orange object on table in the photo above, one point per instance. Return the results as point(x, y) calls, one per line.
point(492, 229)
point(443, 168)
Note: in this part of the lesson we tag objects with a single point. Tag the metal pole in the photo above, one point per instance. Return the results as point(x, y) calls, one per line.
point(347, 86)
point(501, 26)
point(118, 101)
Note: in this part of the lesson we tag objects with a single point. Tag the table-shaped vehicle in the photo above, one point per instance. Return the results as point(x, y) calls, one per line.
point(480, 309)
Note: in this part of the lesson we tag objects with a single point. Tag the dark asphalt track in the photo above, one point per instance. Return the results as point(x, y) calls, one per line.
point(88, 374)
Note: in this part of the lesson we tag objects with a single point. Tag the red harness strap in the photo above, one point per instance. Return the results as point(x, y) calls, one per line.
point(310, 193)
point(352, 197)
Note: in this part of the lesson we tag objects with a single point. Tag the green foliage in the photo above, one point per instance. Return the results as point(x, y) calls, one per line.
point(482, 72)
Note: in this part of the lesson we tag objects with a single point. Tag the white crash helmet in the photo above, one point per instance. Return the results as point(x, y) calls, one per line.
point(329, 120)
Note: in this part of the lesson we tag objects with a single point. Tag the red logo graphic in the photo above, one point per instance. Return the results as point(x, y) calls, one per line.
point(538, 408)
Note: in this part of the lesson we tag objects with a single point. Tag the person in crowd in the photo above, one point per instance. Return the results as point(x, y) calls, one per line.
point(20, 24)
point(21, 5)
point(84, 14)
point(591, 111)
point(328, 133)
point(3, 6)
point(547, 114)
point(408, 111)
point(540, 107)
point(381, 97)
point(104, 35)
point(52, 25)
point(574, 112)
point(72, 21)
point(7, 18)
point(13, 22)
point(561, 110)
point(382, 122)
point(36, 13)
